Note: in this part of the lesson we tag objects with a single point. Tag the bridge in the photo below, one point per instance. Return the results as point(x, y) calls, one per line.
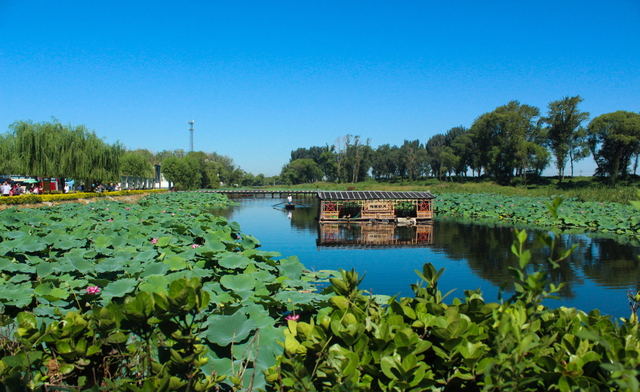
point(261, 192)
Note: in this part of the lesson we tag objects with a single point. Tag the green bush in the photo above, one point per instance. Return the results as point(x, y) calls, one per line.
point(148, 342)
point(422, 343)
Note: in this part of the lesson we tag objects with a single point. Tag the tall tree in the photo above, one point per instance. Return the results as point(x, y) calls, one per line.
point(329, 165)
point(50, 149)
point(435, 147)
point(137, 164)
point(613, 138)
point(184, 172)
point(506, 139)
point(578, 147)
point(414, 157)
point(462, 146)
point(563, 120)
point(301, 171)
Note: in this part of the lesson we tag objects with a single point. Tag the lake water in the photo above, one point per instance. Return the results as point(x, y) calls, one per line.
point(598, 274)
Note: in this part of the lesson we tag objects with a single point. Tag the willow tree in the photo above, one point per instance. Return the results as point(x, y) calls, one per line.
point(9, 164)
point(50, 149)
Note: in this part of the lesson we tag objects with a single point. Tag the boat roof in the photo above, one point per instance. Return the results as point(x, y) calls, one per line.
point(373, 195)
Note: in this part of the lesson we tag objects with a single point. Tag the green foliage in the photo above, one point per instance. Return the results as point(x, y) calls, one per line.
point(613, 139)
point(137, 164)
point(564, 134)
point(590, 216)
point(301, 171)
point(183, 172)
point(148, 341)
point(50, 149)
point(179, 285)
point(422, 343)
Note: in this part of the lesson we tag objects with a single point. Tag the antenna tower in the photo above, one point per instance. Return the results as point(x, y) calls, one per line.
point(190, 122)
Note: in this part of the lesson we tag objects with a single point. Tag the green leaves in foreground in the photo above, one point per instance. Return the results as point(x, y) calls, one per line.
point(422, 343)
point(145, 316)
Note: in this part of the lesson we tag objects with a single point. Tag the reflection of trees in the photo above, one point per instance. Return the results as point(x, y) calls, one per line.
point(306, 217)
point(611, 264)
point(487, 250)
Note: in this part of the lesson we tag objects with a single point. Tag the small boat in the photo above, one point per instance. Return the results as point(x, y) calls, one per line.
point(289, 206)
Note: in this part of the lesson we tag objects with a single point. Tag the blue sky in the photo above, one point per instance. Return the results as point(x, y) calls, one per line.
point(263, 78)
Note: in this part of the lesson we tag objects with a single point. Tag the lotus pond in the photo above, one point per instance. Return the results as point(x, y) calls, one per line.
point(476, 252)
point(75, 258)
point(179, 262)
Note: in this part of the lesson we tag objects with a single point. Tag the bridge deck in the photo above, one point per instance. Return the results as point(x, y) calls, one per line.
point(261, 192)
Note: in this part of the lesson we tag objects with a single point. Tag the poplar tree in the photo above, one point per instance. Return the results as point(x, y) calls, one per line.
point(563, 120)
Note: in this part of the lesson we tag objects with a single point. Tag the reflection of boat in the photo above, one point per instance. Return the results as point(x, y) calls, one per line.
point(289, 206)
point(373, 235)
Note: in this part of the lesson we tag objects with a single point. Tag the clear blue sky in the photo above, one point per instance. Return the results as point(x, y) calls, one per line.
point(263, 78)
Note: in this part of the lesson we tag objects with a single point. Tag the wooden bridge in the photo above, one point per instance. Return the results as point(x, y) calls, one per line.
point(262, 193)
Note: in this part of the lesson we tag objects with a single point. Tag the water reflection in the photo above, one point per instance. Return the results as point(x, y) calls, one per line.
point(361, 235)
point(596, 275)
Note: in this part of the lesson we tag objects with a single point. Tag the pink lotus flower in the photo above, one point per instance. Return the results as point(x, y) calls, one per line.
point(173, 214)
point(164, 211)
point(110, 220)
point(195, 246)
point(292, 317)
point(154, 241)
point(128, 208)
point(106, 209)
point(92, 290)
point(141, 220)
point(92, 208)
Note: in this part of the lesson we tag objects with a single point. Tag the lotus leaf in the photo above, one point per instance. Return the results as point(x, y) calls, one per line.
point(234, 261)
point(49, 292)
point(154, 269)
point(118, 289)
point(238, 282)
point(222, 330)
point(291, 267)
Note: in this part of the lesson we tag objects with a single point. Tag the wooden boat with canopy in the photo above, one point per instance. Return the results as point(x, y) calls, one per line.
point(375, 206)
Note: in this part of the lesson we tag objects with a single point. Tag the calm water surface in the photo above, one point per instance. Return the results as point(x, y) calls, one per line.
point(597, 275)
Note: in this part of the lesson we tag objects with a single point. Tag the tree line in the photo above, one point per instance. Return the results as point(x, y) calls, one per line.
point(514, 140)
point(52, 149)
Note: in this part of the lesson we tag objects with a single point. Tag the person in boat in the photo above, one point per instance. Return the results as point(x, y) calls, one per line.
point(290, 199)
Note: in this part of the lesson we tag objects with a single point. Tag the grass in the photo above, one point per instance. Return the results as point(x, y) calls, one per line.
point(578, 188)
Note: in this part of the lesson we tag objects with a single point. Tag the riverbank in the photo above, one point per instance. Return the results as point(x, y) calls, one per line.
point(585, 189)
point(38, 201)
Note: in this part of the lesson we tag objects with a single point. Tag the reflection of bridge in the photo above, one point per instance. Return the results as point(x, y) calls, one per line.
point(261, 193)
point(373, 235)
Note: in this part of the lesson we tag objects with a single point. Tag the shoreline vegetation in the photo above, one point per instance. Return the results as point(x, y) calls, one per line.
point(161, 295)
point(578, 188)
point(589, 205)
